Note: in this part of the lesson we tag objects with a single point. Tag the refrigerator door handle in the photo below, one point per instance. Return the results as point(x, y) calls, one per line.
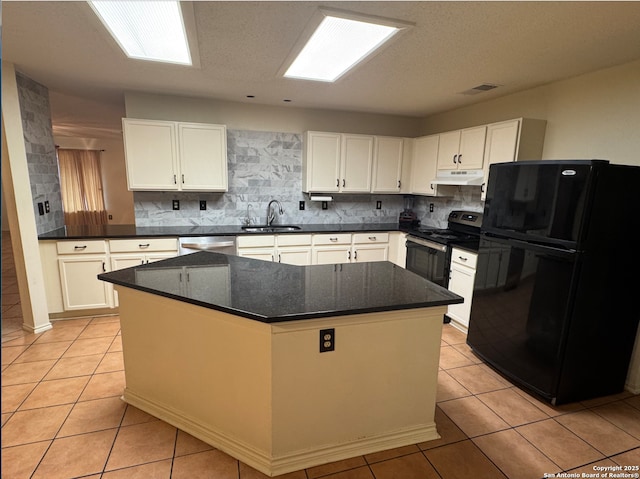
point(533, 246)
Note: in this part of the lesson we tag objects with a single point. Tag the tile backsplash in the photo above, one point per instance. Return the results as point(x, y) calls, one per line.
point(268, 165)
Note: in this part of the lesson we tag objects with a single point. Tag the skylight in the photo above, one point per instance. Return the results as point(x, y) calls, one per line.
point(146, 30)
point(338, 44)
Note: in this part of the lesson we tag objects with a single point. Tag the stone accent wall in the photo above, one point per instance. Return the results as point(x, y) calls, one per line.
point(41, 152)
point(262, 166)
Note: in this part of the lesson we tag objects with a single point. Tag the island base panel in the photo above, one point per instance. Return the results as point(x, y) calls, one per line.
point(264, 393)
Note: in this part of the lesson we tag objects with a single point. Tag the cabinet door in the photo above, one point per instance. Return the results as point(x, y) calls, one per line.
point(368, 253)
point(150, 154)
point(356, 163)
point(448, 149)
point(461, 282)
point(471, 154)
point(81, 288)
point(321, 163)
point(331, 254)
point(502, 139)
point(387, 164)
point(424, 167)
point(203, 157)
point(300, 256)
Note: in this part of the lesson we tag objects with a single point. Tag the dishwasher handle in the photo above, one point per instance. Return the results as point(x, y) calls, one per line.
point(208, 246)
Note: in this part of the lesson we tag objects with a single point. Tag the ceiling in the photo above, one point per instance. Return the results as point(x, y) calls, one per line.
point(454, 46)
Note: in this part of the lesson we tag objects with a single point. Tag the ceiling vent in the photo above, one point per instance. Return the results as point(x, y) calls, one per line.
point(479, 89)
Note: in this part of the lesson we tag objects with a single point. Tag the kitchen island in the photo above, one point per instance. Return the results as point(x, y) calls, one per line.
point(283, 367)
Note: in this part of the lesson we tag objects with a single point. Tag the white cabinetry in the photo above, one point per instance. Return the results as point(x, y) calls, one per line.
point(387, 164)
point(346, 248)
point(175, 156)
point(462, 149)
point(337, 162)
point(290, 249)
point(461, 279)
point(80, 263)
point(519, 139)
point(424, 165)
point(126, 253)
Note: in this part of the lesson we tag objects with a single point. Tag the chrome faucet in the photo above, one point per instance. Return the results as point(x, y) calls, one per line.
point(271, 215)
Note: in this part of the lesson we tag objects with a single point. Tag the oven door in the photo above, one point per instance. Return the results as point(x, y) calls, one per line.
point(428, 259)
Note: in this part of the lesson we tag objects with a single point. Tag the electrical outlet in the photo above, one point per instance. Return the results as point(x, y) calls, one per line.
point(327, 340)
point(41, 208)
point(110, 217)
point(301, 205)
point(325, 205)
point(47, 208)
point(378, 205)
point(430, 207)
point(176, 204)
point(203, 205)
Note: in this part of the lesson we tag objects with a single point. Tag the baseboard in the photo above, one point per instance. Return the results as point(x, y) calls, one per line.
point(297, 460)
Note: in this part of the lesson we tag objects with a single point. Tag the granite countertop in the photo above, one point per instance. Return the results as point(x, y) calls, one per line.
point(274, 292)
point(133, 231)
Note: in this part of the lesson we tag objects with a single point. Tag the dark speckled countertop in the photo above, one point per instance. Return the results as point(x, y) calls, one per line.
point(274, 292)
point(133, 231)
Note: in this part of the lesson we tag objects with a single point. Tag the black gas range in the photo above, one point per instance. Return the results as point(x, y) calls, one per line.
point(429, 249)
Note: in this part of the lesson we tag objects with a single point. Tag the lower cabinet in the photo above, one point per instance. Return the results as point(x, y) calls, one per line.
point(71, 269)
point(289, 249)
point(347, 248)
point(461, 280)
point(79, 264)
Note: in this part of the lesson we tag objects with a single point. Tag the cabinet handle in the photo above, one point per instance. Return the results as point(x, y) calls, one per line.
point(355, 255)
point(455, 158)
point(146, 245)
point(141, 261)
point(482, 187)
point(333, 239)
point(344, 182)
point(431, 184)
point(349, 255)
point(373, 238)
point(399, 183)
point(79, 248)
point(460, 159)
point(279, 258)
point(104, 267)
point(182, 179)
point(462, 258)
point(175, 180)
point(338, 183)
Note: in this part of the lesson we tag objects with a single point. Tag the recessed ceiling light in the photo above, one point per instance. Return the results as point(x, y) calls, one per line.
point(146, 30)
point(340, 41)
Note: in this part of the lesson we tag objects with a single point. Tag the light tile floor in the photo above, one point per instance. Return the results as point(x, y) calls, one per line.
point(62, 418)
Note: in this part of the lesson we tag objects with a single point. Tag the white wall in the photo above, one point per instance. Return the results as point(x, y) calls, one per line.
point(118, 199)
point(244, 116)
point(596, 115)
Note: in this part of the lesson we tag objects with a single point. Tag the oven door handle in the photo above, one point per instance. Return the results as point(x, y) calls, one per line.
point(428, 244)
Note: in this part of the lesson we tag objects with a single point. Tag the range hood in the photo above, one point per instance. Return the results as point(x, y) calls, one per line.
point(459, 177)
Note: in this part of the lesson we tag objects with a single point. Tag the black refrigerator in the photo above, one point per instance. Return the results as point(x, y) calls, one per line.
point(556, 300)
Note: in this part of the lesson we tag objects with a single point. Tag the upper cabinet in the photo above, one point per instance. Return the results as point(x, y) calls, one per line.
point(337, 162)
point(423, 168)
point(387, 164)
point(175, 156)
point(462, 149)
point(513, 140)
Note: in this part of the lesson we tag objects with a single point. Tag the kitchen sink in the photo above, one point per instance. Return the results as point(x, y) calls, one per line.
point(270, 229)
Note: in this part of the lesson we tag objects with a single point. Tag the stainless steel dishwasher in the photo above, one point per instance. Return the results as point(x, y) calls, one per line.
point(217, 244)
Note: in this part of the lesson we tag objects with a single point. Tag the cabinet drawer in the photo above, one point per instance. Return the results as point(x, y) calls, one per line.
point(338, 238)
point(371, 238)
point(143, 244)
point(464, 257)
point(81, 247)
point(253, 241)
point(294, 240)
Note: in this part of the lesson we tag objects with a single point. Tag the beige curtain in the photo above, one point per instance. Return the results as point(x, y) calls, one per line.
point(81, 187)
